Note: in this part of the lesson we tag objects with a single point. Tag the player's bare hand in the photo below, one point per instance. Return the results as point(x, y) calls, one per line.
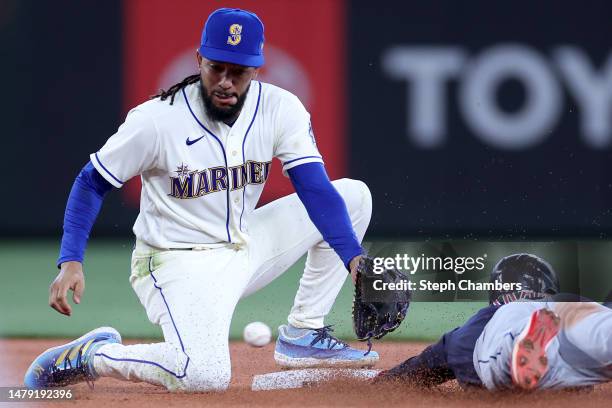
point(353, 267)
point(70, 277)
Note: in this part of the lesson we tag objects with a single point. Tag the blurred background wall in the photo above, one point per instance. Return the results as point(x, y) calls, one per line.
point(471, 120)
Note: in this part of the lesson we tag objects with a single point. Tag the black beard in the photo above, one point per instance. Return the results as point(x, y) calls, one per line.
point(222, 114)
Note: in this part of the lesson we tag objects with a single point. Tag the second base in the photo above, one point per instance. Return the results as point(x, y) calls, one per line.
point(301, 378)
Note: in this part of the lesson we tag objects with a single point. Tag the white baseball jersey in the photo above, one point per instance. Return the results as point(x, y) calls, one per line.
point(201, 179)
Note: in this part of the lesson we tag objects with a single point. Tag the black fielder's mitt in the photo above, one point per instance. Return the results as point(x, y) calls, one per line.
point(381, 301)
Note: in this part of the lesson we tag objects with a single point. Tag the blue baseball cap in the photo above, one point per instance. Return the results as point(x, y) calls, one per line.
point(235, 36)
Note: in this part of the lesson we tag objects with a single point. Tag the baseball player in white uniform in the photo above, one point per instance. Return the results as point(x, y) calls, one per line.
point(203, 149)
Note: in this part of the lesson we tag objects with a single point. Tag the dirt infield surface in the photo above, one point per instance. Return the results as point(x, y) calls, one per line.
point(247, 361)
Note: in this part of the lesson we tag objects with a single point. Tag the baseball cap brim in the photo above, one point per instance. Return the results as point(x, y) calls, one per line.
point(216, 54)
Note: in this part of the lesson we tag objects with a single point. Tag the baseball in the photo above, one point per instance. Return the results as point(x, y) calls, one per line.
point(257, 334)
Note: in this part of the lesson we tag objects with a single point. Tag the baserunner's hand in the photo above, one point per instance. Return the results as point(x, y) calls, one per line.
point(70, 277)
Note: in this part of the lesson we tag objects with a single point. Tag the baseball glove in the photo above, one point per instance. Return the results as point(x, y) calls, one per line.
point(378, 312)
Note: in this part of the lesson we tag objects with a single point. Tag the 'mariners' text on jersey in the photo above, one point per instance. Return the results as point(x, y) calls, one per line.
point(197, 183)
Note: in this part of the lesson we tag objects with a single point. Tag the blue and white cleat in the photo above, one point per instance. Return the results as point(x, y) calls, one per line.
point(70, 363)
point(318, 348)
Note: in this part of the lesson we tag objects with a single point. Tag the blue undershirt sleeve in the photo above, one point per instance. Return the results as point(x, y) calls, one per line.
point(84, 203)
point(326, 209)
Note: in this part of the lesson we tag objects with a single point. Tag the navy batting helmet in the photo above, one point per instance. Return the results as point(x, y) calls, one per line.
point(536, 276)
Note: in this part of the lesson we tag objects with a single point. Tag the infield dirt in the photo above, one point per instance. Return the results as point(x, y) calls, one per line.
point(248, 361)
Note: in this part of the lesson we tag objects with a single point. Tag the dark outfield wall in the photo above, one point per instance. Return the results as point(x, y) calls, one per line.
point(471, 119)
point(477, 118)
point(62, 93)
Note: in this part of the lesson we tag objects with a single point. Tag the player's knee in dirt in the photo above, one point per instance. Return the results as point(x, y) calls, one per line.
point(204, 378)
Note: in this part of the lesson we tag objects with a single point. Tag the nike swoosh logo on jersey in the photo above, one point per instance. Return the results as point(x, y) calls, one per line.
point(190, 142)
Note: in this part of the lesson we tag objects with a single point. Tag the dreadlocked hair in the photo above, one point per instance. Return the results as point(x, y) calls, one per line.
point(171, 92)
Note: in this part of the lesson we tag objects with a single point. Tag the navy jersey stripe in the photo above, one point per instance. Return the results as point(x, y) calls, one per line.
point(243, 157)
point(106, 170)
point(300, 158)
point(229, 238)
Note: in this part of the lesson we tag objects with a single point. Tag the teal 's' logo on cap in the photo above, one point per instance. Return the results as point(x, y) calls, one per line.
point(235, 36)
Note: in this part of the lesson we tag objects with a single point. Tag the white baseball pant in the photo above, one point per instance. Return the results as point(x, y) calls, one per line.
point(192, 294)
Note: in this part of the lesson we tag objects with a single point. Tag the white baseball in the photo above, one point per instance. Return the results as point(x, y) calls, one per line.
point(257, 334)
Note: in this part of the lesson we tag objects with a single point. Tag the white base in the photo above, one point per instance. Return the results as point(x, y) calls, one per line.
point(301, 378)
